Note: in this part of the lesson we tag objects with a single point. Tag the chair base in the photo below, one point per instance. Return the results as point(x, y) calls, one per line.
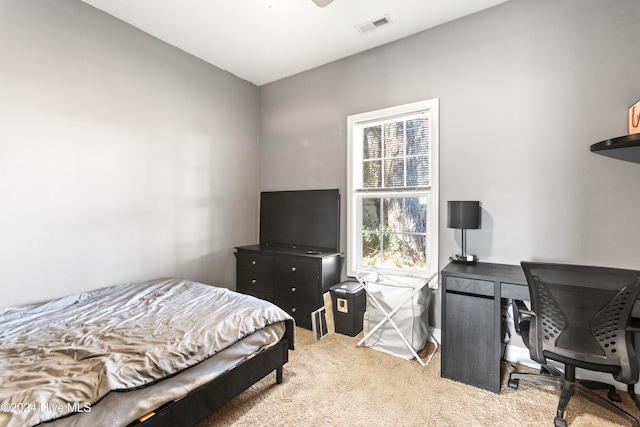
point(570, 388)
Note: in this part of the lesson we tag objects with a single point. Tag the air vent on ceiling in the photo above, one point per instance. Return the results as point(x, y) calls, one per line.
point(374, 25)
point(322, 3)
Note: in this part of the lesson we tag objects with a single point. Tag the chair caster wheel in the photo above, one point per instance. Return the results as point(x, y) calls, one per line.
point(513, 383)
point(559, 422)
point(614, 396)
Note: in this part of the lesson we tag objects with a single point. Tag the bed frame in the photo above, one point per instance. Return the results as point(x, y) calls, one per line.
point(203, 401)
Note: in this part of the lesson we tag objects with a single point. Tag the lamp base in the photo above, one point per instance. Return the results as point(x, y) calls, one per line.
point(467, 259)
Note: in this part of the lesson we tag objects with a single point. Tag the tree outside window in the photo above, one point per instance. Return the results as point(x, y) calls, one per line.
point(395, 155)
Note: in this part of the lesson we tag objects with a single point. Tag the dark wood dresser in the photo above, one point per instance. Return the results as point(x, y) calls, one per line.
point(293, 279)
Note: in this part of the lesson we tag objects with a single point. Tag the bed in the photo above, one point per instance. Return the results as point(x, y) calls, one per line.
point(158, 353)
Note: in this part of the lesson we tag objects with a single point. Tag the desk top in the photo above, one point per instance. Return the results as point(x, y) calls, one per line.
point(488, 271)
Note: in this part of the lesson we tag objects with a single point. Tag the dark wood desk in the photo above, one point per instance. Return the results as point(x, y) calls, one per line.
point(472, 320)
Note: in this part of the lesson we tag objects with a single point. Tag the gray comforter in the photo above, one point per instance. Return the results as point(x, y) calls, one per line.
point(62, 356)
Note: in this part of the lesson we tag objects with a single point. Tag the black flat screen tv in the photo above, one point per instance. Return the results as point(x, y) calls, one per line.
point(304, 219)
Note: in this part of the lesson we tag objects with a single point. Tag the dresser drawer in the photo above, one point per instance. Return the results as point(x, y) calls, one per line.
point(300, 311)
point(256, 281)
point(257, 294)
point(296, 289)
point(471, 286)
point(298, 268)
point(258, 263)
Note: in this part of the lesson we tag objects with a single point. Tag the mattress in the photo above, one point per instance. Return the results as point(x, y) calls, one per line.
point(121, 408)
point(64, 356)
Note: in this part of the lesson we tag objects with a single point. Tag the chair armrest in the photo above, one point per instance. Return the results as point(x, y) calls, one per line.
point(634, 325)
point(520, 313)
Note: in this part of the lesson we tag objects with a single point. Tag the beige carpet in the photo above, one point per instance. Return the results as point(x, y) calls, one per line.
point(334, 383)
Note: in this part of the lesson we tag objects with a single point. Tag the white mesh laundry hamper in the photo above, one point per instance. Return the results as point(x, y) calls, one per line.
point(396, 316)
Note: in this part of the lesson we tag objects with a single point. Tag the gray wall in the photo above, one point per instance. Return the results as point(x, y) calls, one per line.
point(121, 157)
point(525, 88)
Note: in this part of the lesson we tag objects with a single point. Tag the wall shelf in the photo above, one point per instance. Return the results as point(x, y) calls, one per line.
point(623, 148)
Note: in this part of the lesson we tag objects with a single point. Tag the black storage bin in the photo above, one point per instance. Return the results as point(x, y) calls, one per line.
point(349, 302)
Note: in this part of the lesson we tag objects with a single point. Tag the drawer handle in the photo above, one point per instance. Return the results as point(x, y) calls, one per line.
point(293, 289)
point(254, 262)
point(293, 269)
point(293, 310)
point(254, 281)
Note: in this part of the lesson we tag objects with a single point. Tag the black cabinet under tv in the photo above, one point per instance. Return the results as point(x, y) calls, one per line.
point(293, 279)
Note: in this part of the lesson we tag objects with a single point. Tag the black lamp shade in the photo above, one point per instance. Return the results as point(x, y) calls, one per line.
point(463, 214)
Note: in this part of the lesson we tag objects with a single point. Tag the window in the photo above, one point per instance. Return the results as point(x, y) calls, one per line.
point(392, 203)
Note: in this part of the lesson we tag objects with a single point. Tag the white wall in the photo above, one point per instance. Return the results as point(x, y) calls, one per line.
point(525, 88)
point(121, 157)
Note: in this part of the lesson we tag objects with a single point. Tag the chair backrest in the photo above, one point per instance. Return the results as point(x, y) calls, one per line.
point(581, 316)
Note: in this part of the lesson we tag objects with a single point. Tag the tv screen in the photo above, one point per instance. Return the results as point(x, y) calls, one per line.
point(307, 219)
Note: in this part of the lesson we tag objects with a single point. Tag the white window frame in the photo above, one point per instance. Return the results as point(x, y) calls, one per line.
point(354, 175)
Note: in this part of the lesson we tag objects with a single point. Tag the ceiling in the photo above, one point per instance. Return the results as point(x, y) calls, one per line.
point(265, 40)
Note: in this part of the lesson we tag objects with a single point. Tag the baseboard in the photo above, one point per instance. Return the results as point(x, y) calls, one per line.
point(435, 334)
point(519, 355)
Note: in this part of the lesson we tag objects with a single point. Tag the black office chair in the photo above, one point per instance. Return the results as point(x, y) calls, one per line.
point(580, 316)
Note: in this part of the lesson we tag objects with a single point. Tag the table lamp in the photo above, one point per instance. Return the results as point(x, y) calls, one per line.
point(464, 215)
